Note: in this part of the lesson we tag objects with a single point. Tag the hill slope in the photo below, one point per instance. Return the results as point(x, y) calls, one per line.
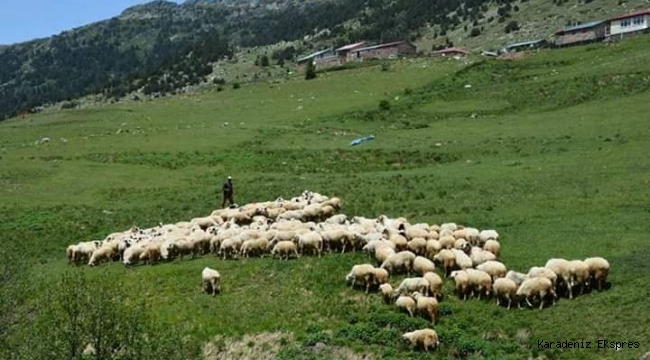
point(551, 151)
point(163, 47)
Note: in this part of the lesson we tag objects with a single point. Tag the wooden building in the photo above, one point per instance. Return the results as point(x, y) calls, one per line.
point(583, 33)
point(391, 50)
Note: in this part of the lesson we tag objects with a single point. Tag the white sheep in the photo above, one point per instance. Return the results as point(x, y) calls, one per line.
point(406, 303)
point(426, 306)
point(447, 242)
point(504, 289)
point(598, 270)
point(433, 247)
point(537, 271)
point(399, 262)
point(579, 274)
point(461, 279)
point(447, 259)
point(423, 338)
point(538, 287)
point(151, 254)
point(492, 246)
point(311, 241)
point(562, 269)
point(422, 265)
point(479, 256)
point(386, 292)
point(435, 284)
point(516, 277)
point(410, 285)
point(211, 281)
point(285, 249)
point(495, 269)
point(486, 235)
point(463, 261)
point(103, 253)
point(418, 246)
point(480, 281)
point(361, 274)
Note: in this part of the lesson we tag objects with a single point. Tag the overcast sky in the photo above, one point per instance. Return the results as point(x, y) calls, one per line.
point(22, 20)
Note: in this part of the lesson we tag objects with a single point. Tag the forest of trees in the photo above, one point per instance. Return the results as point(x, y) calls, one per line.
point(161, 47)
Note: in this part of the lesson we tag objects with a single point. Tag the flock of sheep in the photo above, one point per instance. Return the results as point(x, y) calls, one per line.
point(469, 257)
point(308, 224)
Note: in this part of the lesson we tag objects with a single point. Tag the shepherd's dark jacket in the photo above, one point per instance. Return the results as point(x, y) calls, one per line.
point(227, 188)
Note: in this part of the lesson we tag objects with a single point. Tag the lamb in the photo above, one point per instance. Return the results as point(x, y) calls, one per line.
point(410, 285)
point(461, 278)
point(362, 274)
point(386, 292)
point(562, 269)
point(211, 281)
point(536, 287)
point(480, 281)
point(417, 245)
point(435, 284)
point(426, 306)
point(504, 289)
point(406, 303)
point(598, 271)
point(462, 260)
point(448, 260)
point(103, 253)
point(516, 277)
point(151, 254)
point(424, 338)
point(399, 262)
point(494, 268)
point(311, 241)
point(492, 246)
point(579, 274)
point(479, 256)
point(285, 249)
point(422, 265)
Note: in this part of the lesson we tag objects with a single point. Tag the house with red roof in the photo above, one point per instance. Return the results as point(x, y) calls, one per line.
point(628, 24)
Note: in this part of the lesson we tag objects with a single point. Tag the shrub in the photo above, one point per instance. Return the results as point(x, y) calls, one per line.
point(310, 71)
point(236, 86)
point(512, 26)
point(384, 105)
point(385, 67)
point(475, 32)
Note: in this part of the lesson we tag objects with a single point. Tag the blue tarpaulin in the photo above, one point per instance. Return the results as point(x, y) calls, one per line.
point(362, 139)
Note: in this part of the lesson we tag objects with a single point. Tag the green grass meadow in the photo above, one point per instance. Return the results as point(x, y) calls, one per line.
point(552, 151)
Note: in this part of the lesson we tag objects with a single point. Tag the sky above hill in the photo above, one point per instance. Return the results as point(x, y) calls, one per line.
point(23, 20)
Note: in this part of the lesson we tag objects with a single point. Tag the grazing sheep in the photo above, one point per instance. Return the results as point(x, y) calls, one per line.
point(461, 278)
point(516, 277)
point(311, 241)
point(386, 292)
point(399, 262)
point(337, 219)
point(406, 303)
point(435, 284)
point(372, 246)
point(433, 247)
point(447, 242)
point(417, 245)
point(151, 254)
point(230, 247)
point(562, 269)
point(426, 306)
point(447, 259)
point(538, 287)
point(579, 274)
point(598, 271)
point(486, 235)
point(381, 276)
point(463, 261)
point(285, 249)
point(361, 274)
point(480, 281)
point(462, 244)
point(479, 256)
point(211, 281)
point(410, 285)
point(336, 239)
point(412, 232)
point(383, 253)
point(537, 271)
point(422, 265)
point(504, 289)
point(103, 253)
point(494, 268)
point(492, 246)
point(472, 235)
point(423, 338)
point(400, 242)
point(132, 254)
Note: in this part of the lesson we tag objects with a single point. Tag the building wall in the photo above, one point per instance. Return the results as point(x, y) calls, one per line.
point(583, 35)
point(383, 53)
point(628, 25)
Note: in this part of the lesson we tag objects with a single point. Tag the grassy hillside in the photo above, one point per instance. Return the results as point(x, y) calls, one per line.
point(551, 151)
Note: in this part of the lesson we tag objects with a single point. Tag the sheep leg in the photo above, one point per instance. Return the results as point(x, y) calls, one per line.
point(410, 312)
point(509, 302)
point(528, 302)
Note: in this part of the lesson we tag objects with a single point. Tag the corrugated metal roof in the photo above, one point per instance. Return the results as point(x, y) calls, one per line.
point(350, 46)
point(579, 27)
point(632, 14)
point(380, 46)
point(525, 43)
point(313, 55)
point(451, 50)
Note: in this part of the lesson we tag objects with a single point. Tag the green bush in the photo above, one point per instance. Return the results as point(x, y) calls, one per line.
point(236, 86)
point(384, 105)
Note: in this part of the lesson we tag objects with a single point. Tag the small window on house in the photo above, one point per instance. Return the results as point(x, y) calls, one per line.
point(638, 20)
point(626, 23)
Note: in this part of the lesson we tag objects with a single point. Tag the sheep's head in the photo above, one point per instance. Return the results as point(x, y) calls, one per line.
point(349, 277)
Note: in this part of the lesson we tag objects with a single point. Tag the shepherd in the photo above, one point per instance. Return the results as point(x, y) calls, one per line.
point(228, 192)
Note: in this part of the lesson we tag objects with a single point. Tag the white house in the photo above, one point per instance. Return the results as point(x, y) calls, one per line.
point(629, 23)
